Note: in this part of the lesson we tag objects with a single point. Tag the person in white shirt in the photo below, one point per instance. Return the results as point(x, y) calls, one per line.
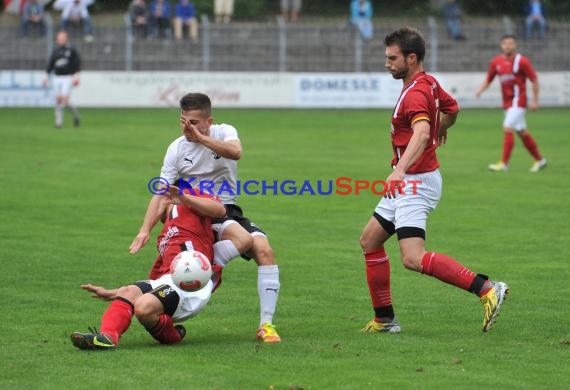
point(209, 153)
point(75, 11)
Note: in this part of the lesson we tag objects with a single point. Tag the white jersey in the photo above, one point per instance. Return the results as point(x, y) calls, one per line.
point(200, 166)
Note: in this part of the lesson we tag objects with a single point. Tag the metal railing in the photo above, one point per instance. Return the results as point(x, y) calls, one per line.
point(324, 46)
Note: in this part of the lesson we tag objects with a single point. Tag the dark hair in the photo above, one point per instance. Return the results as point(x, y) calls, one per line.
point(196, 101)
point(409, 40)
point(508, 36)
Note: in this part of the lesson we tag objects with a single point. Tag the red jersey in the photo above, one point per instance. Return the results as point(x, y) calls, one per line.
point(512, 73)
point(421, 99)
point(184, 229)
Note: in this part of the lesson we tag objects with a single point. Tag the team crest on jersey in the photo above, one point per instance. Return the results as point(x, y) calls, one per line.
point(216, 156)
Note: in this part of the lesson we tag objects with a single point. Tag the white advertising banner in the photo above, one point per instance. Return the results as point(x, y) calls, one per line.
point(258, 90)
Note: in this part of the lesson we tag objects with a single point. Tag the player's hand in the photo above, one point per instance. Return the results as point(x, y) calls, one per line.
point(173, 195)
point(533, 106)
point(75, 82)
point(395, 183)
point(140, 240)
point(442, 136)
point(45, 83)
point(190, 131)
point(99, 292)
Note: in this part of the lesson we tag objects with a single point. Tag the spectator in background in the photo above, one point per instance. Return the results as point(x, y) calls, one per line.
point(223, 10)
point(361, 17)
point(185, 16)
point(33, 16)
point(139, 18)
point(453, 17)
point(290, 10)
point(76, 12)
point(535, 14)
point(160, 13)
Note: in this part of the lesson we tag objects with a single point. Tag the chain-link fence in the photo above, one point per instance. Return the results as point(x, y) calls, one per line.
point(319, 46)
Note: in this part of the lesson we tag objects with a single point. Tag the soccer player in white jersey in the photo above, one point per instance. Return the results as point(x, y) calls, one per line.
point(208, 153)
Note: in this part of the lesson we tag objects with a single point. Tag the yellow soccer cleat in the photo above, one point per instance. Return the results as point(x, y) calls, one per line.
point(382, 327)
point(498, 167)
point(492, 302)
point(268, 333)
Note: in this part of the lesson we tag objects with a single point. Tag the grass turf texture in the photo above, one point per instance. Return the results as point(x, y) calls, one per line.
point(72, 200)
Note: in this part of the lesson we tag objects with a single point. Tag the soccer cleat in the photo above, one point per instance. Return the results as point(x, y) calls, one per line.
point(92, 341)
point(492, 302)
point(382, 327)
point(498, 167)
point(538, 166)
point(268, 333)
point(181, 330)
point(76, 122)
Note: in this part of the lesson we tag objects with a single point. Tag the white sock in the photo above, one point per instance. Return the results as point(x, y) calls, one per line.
point(268, 289)
point(58, 115)
point(224, 252)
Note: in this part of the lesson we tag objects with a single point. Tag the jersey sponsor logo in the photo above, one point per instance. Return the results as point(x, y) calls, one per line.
point(171, 232)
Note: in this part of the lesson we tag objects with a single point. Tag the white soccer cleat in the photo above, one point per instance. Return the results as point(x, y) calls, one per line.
point(498, 167)
point(538, 166)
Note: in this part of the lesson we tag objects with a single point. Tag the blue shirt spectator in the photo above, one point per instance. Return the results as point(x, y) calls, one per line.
point(33, 15)
point(535, 15)
point(361, 17)
point(453, 17)
point(185, 16)
point(160, 13)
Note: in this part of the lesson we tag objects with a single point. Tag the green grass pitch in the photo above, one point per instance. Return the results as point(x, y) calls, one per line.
point(71, 201)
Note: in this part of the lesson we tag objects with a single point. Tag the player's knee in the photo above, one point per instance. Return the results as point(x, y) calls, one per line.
point(262, 252)
point(130, 293)
point(411, 262)
point(146, 312)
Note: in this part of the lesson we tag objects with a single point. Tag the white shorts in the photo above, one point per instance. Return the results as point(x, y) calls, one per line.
point(412, 208)
point(223, 7)
point(515, 118)
point(191, 303)
point(62, 85)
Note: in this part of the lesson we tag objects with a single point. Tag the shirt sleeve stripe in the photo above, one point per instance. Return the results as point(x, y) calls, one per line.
point(420, 118)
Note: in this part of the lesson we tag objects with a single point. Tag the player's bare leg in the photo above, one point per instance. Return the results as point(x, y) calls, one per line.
point(448, 270)
point(530, 145)
point(150, 313)
point(268, 287)
point(377, 261)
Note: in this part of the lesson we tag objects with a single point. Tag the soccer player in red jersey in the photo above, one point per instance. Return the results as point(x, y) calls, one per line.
point(158, 303)
point(513, 69)
point(423, 114)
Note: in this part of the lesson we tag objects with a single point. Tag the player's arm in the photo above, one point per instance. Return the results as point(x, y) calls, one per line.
point(230, 149)
point(49, 69)
point(414, 150)
point(76, 67)
point(207, 207)
point(445, 122)
point(154, 211)
point(535, 94)
point(491, 73)
point(100, 292)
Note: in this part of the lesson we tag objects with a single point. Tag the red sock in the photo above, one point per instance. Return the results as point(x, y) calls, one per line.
point(508, 144)
point(378, 278)
point(164, 331)
point(447, 270)
point(117, 319)
point(530, 145)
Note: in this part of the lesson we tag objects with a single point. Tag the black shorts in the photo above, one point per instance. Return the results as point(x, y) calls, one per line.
point(165, 294)
point(235, 213)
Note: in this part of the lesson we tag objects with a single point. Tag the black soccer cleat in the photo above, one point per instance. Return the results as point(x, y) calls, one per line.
point(181, 330)
point(92, 341)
